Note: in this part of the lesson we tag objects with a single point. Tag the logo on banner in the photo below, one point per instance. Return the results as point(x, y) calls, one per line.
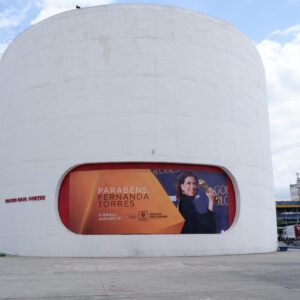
point(143, 216)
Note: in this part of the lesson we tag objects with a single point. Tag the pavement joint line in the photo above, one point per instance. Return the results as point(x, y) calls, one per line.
point(23, 284)
point(99, 276)
point(55, 297)
point(142, 295)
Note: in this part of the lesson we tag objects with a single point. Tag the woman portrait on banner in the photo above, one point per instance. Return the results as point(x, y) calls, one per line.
point(186, 190)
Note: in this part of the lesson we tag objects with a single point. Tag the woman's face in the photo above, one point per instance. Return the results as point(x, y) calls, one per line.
point(189, 186)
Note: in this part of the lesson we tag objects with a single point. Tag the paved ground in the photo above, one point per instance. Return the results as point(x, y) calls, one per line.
point(259, 276)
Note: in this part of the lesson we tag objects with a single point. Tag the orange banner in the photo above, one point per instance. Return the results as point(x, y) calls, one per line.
point(130, 201)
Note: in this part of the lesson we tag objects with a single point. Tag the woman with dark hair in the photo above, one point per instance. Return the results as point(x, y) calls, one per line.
point(186, 190)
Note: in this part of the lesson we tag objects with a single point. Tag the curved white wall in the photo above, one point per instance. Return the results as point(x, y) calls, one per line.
point(132, 83)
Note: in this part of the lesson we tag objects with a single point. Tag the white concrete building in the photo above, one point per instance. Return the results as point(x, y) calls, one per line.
point(131, 83)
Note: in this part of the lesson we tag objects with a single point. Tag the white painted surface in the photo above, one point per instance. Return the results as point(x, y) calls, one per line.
point(112, 84)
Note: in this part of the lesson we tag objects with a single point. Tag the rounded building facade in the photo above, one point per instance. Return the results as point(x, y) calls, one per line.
point(134, 130)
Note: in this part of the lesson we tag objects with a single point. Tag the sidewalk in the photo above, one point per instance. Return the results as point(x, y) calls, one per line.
point(257, 276)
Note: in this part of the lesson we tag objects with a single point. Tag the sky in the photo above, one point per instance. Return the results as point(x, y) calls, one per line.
point(272, 25)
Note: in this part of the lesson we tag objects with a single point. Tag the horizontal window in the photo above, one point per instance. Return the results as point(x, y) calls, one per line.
point(146, 198)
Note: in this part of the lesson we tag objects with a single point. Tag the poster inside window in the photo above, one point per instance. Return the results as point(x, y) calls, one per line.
point(146, 198)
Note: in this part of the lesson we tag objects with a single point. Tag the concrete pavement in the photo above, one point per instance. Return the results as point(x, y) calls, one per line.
point(257, 276)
